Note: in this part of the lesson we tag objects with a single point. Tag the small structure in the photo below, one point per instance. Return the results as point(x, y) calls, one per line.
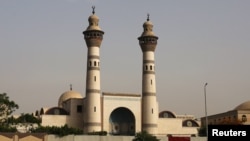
point(239, 115)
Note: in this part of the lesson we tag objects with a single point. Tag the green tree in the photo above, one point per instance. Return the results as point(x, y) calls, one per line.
point(202, 131)
point(144, 136)
point(7, 107)
point(27, 118)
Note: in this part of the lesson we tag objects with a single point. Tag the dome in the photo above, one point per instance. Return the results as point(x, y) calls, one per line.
point(93, 22)
point(148, 28)
point(243, 106)
point(68, 95)
point(148, 23)
point(93, 18)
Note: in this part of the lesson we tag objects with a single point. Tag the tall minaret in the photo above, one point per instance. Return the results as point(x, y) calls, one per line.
point(148, 42)
point(93, 36)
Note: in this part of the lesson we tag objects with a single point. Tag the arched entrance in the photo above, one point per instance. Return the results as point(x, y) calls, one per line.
point(122, 122)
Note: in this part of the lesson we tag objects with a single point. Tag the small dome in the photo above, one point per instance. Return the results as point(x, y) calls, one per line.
point(243, 106)
point(93, 22)
point(147, 23)
point(167, 114)
point(148, 28)
point(68, 95)
point(93, 18)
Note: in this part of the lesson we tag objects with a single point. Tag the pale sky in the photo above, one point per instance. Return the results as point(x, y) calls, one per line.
point(42, 51)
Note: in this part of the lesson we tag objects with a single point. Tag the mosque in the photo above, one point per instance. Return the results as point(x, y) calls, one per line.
point(117, 113)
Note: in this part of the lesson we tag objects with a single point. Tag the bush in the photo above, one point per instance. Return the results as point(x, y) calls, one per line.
point(60, 131)
point(202, 132)
point(7, 129)
point(144, 136)
point(100, 133)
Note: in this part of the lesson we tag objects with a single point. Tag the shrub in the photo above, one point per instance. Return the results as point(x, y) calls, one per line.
point(144, 136)
point(100, 133)
point(60, 131)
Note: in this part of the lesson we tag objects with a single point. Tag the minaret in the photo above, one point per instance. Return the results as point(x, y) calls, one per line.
point(93, 36)
point(148, 42)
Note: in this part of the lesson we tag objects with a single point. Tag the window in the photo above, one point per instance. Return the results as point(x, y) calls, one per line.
point(244, 118)
point(79, 108)
point(94, 109)
point(95, 63)
point(189, 123)
point(151, 67)
point(146, 67)
point(56, 112)
point(152, 110)
point(165, 115)
point(151, 81)
point(90, 63)
point(95, 78)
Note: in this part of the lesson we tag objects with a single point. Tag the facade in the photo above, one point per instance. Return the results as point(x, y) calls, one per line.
point(239, 115)
point(117, 113)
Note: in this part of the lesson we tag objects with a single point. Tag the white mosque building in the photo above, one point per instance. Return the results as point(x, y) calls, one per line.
point(117, 113)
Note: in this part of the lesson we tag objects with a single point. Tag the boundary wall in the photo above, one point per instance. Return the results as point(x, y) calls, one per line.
point(46, 137)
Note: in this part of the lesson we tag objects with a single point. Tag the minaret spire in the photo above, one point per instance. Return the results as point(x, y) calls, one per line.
point(93, 9)
point(70, 87)
point(148, 17)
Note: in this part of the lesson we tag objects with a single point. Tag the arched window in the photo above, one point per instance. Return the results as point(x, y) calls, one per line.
point(244, 118)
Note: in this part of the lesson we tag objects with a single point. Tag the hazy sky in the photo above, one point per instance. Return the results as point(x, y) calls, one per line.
point(42, 51)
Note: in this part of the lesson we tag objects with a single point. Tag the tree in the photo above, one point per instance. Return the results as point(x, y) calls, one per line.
point(144, 136)
point(202, 131)
point(27, 118)
point(7, 107)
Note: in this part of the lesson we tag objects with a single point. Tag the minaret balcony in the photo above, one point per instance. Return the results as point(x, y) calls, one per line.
point(148, 47)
